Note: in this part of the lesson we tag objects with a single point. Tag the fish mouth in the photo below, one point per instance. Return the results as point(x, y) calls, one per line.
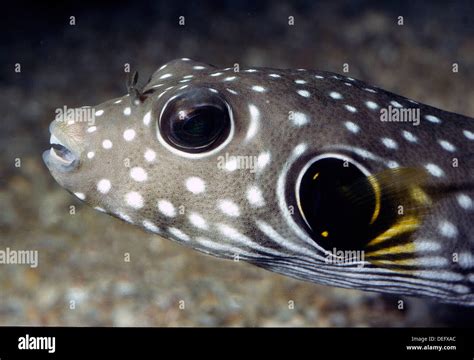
point(62, 156)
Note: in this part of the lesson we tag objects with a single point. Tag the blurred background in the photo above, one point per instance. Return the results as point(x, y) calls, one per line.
point(81, 256)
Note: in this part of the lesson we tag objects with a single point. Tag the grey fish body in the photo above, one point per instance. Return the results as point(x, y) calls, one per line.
point(242, 197)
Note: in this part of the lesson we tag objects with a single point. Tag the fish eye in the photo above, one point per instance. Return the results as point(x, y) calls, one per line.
point(196, 121)
point(337, 202)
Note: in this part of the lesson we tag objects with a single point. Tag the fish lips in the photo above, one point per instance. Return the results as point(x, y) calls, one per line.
point(61, 157)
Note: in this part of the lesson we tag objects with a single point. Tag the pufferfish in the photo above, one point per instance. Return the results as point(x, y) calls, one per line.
point(309, 174)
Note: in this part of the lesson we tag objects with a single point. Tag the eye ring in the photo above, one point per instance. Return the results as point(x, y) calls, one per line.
point(194, 103)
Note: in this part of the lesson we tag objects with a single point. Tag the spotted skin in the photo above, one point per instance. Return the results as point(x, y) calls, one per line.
point(281, 118)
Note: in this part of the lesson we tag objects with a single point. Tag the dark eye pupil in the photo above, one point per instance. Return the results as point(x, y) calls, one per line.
point(195, 122)
point(332, 207)
point(197, 129)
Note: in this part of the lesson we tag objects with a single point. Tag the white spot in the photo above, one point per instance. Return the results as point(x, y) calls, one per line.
point(372, 105)
point(198, 67)
point(370, 90)
point(198, 221)
point(274, 75)
point(466, 260)
point(230, 78)
point(185, 80)
point(104, 186)
point(98, 208)
point(231, 164)
point(129, 134)
point(250, 70)
point(392, 164)
point(434, 170)
point(127, 111)
point(228, 207)
point(183, 87)
point(447, 229)
point(409, 136)
point(465, 201)
point(91, 129)
point(150, 226)
point(118, 101)
point(390, 143)
point(319, 77)
point(107, 144)
point(468, 134)
point(195, 185)
point(150, 155)
point(364, 153)
point(335, 95)
point(178, 233)
point(165, 76)
point(138, 174)
point(166, 208)
point(300, 81)
point(232, 233)
point(216, 74)
point(90, 154)
point(263, 160)
point(157, 86)
point(446, 145)
point(352, 127)
point(185, 59)
point(188, 76)
point(304, 93)
point(134, 199)
point(124, 216)
point(254, 122)
point(433, 119)
point(232, 91)
point(147, 118)
point(396, 104)
point(258, 88)
point(162, 67)
point(299, 119)
point(427, 246)
point(80, 195)
point(350, 108)
point(299, 149)
point(255, 197)
point(101, 112)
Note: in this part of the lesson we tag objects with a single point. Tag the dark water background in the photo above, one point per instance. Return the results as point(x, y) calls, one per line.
point(81, 255)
